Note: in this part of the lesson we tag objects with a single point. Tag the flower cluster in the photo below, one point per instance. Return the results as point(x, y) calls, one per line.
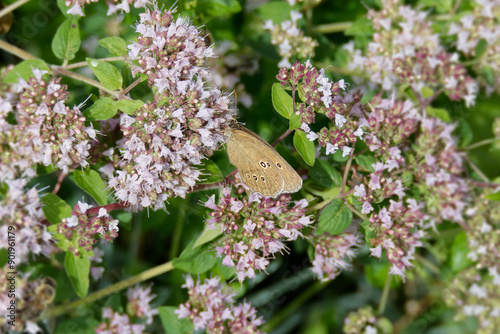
point(227, 68)
point(83, 227)
point(473, 294)
point(76, 6)
point(483, 236)
point(322, 96)
point(364, 321)
point(389, 124)
point(290, 39)
point(138, 308)
point(21, 210)
point(439, 167)
point(399, 231)
point(332, 254)
point(32, 298)
point(405, 50)
point(210, 307)
point(479, 26)
point(163, 140)
point(255, 228)
point(47, 131)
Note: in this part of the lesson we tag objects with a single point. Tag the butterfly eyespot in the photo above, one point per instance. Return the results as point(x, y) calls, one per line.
point(248, 175)
point(255, 178)
point(278, 164)
point(263, 164)
point(268, 164)
point(262, 178)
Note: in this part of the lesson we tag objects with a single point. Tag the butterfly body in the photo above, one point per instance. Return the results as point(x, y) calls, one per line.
point(260, 166)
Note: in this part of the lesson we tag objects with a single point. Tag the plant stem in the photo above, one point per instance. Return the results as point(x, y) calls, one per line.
point(294, 305)
point(476, 169)
point(385, 294)
point(59, 182)
point(177, 237)
point(84, 63)
point(89, 81)
point(11, 7)
point(346, 171)
point(16, 51)
point(478, 144)
point(283, 136)
point(333, 27)
point(353, 209)
point(145, 275)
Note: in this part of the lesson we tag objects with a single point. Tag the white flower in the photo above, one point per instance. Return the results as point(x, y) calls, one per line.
point(113, 225)
point(72, 221)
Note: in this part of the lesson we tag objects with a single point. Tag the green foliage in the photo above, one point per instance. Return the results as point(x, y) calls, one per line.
point(91, 182)
point(78, 270)
point(304, 146)
point(210, 172)
point(106, 73)
point(25, 70)
point(282, 102)
point(325, 174)
point(172, 324)
point(67, 40)
point(115, 45)
point(334, 218)
point(55, 209)
point(101, 110)
point(195, 260)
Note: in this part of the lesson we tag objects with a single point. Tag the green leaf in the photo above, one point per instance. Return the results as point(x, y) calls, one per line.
point(366, 161)
point(210, 172)
point(493, 197)
point(195, 261)
point(115, 45)
point(218, 7)
point(67, 41)
point(334, 218)
point(226, 272)
point(63, 8)
point(466, 134)
point(274, 10)
point(304, 146)
point(55, 209)
point(101, 110)
point(339, 156)
point(42, 170)
point(25, 70)
point(106, 73)
point(171, 323)
point(426, 92)
point(325, 174)
point(78, 269)
point(302, 95)
point(206, 236)
point(481, 48)
point(459, 251)
point(407, 179)
point(77, 325)
point(361, 27)
point(440, 113)
point(129, 107)
point(90, 181)
point(295, 121)
point(376, 271)
point(282, 102)
point(488, 74)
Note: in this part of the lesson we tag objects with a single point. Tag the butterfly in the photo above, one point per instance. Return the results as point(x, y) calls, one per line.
point(260, 166)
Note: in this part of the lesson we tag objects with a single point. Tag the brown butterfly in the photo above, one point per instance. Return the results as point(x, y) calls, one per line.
point(260, 166)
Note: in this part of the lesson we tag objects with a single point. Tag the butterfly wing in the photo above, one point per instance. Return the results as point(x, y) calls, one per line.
point(261, 167)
